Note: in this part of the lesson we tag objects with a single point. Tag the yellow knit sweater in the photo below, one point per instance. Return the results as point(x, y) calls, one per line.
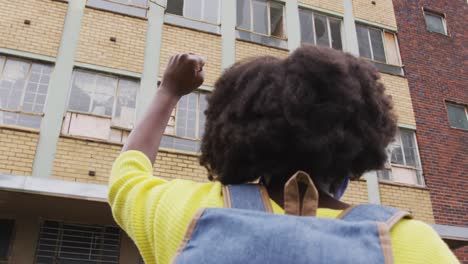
point(155, 213)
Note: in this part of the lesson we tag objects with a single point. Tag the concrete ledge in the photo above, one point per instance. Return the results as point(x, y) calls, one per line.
point(86, 191)
point(452, 232)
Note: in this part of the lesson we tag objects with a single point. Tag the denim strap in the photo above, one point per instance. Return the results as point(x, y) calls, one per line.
point(373, 212)
point(245, 196)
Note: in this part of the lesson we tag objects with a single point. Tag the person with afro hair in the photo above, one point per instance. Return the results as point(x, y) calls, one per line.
point(320, 111)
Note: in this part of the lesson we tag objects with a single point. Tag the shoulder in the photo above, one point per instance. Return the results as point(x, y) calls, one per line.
point(414, 241)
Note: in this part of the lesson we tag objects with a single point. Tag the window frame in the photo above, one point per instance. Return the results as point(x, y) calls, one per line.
point(197, 118)
point(268, 6)
point(20, 110)
point(174, 136)
point(201, 25)
point(454, 104)
point(385, 67)
point(328, 16)
point(418, 166)
point(114, 103)
point(438, 14)
point(382, 35)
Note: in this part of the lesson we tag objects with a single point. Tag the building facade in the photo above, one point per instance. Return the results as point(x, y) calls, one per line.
point(433, 49)
point(76, 75)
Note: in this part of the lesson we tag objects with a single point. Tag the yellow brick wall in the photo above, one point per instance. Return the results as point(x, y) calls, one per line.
point(356, 193)
point(17, 150)
point(415, 200)
point(95, 47)
point(398, 88)
point(181, 40)
point(246, 50)
point(76, 157)
point(42, 36)
point(382, 12)
point(333, 5)
point(179, 166)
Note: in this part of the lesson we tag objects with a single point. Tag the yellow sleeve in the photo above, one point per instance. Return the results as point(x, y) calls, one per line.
point(133, 195)
point(416, 242)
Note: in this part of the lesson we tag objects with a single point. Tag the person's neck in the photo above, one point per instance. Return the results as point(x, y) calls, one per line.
point(325, 200)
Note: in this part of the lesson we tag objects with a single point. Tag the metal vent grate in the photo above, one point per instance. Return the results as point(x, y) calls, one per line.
point(64, 243)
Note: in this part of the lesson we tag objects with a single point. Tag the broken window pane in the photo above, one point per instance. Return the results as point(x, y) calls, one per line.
point(307, 31)
point(124, 112)
point(23, 87)
point(83, 86)
point(335, 28)
point(409, 147)
point(276, 20)
point(104, 95)
point(377, 44)
point(103, 100)
point(363, 41)
point(260, 17)
point(321, 30)
point(315, 29)
point(243, 14)
point(397, 155)
point(12, 83)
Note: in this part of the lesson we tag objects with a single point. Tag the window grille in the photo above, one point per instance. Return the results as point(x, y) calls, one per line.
point(65, 243)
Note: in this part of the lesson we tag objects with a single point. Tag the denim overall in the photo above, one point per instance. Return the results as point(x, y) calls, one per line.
point(248, 233)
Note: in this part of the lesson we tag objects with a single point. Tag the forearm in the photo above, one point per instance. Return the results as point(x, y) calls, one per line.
point(147, 134)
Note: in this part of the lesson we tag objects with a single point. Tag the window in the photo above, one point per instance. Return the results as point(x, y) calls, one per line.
point(129, 7)
point(435, 22)
point(23, 91)
point(74, 243)
point(187, 127)
point(100, 105)
point(319, 29)
point(261, 17)
point(378, 45)
point(202, 10)
point(403, 159)
point(458, 116)
point(6, 237)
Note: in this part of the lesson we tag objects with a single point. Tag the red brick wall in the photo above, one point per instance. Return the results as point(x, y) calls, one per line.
point(434, 68)
point(462, 254)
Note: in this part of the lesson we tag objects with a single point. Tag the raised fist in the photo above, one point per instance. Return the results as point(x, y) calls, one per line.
point(184, 73)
